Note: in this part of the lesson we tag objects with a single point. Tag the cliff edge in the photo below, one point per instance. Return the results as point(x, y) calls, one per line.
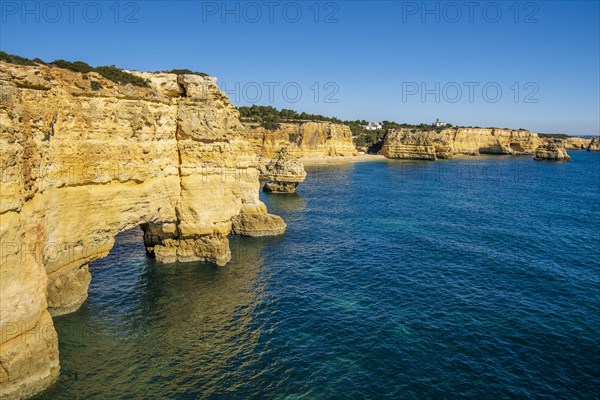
point(303, 139)
point(83, 159)
point(408, 143)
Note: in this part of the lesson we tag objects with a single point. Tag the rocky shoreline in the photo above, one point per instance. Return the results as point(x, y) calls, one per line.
point(431, 145)
point(85, 158)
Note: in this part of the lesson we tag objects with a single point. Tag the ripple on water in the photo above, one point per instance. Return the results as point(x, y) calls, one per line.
point(472, 278)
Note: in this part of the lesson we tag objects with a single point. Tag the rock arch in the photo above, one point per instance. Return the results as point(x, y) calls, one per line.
point(176, 162)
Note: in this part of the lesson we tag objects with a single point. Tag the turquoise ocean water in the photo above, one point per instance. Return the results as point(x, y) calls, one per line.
point(468, 278)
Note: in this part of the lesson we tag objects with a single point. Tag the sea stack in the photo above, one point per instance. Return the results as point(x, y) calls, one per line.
point(551, 151)
point(594, 144)
point(284, 173)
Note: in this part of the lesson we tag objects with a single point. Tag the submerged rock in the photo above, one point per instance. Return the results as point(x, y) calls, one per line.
point(284, 173)
point(551, 151)
point(594, 144)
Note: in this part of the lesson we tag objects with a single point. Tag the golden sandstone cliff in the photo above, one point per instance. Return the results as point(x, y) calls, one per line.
point(304, 139)
point(83, 159)
point(576, 143)
point(408, 143)
point(594, 144)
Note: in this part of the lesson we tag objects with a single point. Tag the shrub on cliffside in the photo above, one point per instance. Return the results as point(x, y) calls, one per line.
point(76, 66)
point(183, 72)
point(264, 113)
point(18, 60)
point(117, 75)
point(112, 73)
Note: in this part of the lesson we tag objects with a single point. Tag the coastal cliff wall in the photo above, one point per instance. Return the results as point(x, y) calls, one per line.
point(594, 144)
point(576, 143)
point(307, 139)
point(84, 159)
point(430, 145)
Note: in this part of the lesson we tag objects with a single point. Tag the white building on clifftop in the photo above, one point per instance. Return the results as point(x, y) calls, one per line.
point(371, 126)
point(439, 123)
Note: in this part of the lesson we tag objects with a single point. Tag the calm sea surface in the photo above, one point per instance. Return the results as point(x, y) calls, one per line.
point(469, 278)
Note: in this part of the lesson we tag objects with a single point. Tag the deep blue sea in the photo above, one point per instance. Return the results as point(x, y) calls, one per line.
point(473, 278)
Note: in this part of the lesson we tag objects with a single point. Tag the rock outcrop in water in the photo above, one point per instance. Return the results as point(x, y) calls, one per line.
point(551, 150)
point(408, 143)
point(306, 139)
point(594, 144)
point(83, 159)
point(284, 173)
point(256, 222)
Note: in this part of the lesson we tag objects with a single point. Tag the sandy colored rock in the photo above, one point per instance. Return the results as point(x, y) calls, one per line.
point(258, 225)
point(576, 143)
point(594, 144)
point(306, 139)
point(68, 290)
point(284, 173)
point(408, 143)
point(84, 159)
point(32, 356)
point(569, 143)
point(551, 150)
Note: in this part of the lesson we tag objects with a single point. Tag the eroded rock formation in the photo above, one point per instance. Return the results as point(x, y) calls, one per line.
point(256, 222)
point(307, 139)
point(284, 173)
point(83, 159)
point(569, 143)
point(594, 144)
point(551, 150)
point(408, 143)
point(576, 143)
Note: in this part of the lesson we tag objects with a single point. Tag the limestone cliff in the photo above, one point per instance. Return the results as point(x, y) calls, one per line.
point(569, 143)
point(408, 143)
point(83, 159)
point(307, 139)
point(552, 150)
point(594, 144)
point(576, 143)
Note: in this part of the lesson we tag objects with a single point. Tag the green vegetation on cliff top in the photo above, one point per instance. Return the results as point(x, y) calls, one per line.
point(112, 73)
point(370, 140)
point(183, 72)
point(270, 118)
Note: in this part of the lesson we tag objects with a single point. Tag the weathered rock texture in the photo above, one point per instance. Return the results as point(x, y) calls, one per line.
point(569, 143)
point(308, 139)
point(256, 222)
point(80, 165)
point(284, 173)
point(576, 143)
point(551, 150)
point(430, 145)
point(594, 144)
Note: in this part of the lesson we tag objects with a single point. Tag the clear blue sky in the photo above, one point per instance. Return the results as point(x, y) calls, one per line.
point(377, 56)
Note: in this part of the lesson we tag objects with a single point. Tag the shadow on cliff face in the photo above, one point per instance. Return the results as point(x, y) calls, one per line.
point(157, 315)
